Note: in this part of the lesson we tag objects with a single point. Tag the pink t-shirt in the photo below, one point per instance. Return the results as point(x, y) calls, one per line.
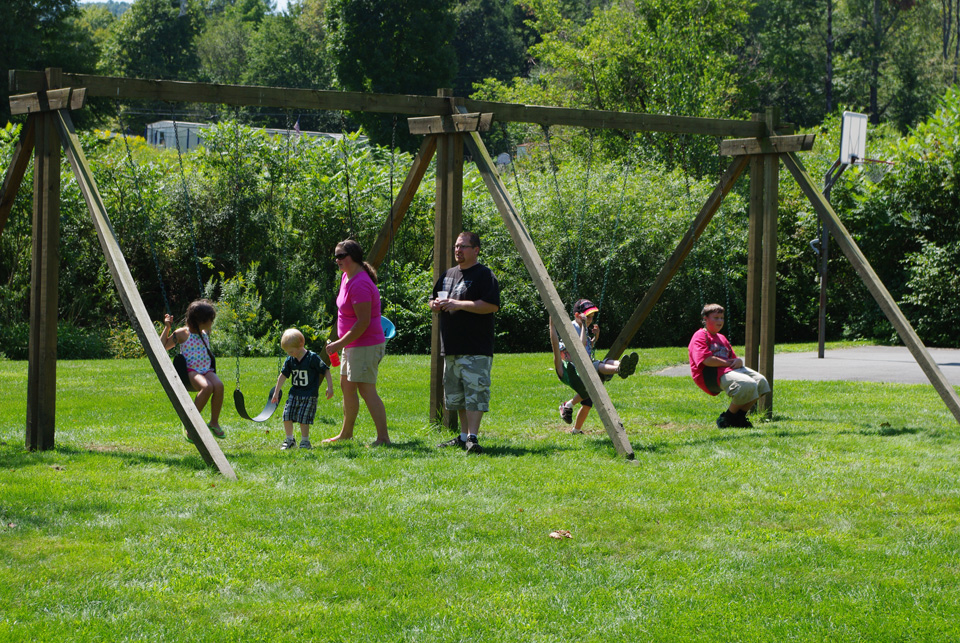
point(703, 345)
point(354, 291)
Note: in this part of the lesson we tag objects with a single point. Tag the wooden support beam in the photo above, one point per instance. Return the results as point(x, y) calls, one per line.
point(402, 202)
point(751, 327)
point(66, 98)
point(448, 224)
point(15, 171)
point(288, 98)
point(676, 259)
point(883, 298)
point(768, 274)
point(450, 124)
point(771, 145)
point(139, 318)
point(44, 279)
point(548, 293)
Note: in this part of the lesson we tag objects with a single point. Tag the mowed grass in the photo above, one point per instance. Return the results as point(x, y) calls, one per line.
point(838, 520)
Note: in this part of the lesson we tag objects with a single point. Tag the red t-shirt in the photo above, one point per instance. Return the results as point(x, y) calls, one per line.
point(703, 345)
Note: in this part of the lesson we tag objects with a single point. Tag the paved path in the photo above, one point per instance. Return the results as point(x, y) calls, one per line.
point(867, 364)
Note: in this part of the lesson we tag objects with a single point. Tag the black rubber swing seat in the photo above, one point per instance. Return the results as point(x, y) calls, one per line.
point(264, 415)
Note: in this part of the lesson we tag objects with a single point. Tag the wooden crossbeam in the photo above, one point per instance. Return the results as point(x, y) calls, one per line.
point(769, 145)
point(450, 124)
point(137, 312)
point(15, 171)
point(887, 304)
point(52, 99)
point(414, 105)
point(676, 259)
point(549, 295)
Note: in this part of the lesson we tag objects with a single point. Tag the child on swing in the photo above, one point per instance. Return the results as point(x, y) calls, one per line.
point(583, 317)
point(304, 368)
point(194, 342)
point(715, 367)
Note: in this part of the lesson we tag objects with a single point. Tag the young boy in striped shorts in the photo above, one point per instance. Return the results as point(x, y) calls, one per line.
point(304, 369)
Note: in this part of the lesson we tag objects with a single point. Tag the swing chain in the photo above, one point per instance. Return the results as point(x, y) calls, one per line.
point(148, 224)
point(236, 242)
point(186, 199)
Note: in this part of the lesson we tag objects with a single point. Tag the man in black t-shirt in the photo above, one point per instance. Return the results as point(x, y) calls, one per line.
point(466, 297)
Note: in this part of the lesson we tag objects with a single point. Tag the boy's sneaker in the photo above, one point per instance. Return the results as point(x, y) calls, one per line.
point(741, 420)
point(628, 365)
point(288, 443)
point(566, 413)
point(217, 432)
point(305, 444)
point(456, 442)
point(472, 446)
point(726, 420)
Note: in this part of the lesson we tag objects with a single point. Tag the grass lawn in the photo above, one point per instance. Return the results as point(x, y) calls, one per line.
point(838, 520)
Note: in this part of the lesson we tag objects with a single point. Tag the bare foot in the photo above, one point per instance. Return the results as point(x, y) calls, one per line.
point(337, 438)
point(380, 443)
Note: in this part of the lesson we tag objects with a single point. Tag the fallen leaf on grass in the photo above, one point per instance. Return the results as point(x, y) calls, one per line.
point(56, 467)
point(560, 534)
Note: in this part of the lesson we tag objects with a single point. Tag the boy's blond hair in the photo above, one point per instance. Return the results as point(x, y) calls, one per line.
point(292, 338)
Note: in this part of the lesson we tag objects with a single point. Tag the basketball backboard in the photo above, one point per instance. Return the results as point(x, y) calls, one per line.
point(853, 138)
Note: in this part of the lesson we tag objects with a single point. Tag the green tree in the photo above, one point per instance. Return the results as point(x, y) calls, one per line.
point(391, 46)
point(657, 57)
point(488, 43)
point(223, 49)
point(785, 59)
point(153, 40)
point(35, 34)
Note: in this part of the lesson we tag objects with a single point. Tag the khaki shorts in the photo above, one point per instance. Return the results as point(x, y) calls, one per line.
point(466, 382)
point(362, 363)
point(744, 385)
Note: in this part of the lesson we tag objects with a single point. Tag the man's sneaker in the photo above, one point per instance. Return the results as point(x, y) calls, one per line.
point(741, 420)
point(288, 443)
point(456, 442)
point(305, 444)
point(566, 413)
point(628, 365)
point(472, 446)
point(726, 420)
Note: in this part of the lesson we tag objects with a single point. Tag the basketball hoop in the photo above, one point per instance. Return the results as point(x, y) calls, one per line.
point(875, 169)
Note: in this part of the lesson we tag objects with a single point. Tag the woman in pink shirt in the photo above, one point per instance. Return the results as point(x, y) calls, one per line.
point(361, 340)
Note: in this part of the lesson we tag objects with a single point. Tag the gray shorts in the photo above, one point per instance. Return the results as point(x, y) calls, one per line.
point(466, 382)
point(744, 385)
point(362, 363)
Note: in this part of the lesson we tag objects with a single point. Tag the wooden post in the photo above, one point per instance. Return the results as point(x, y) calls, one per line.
point(768, 294)
point(768, 289)
point(886, 302)
point(130, 296)
point(44, 280)
point(448, 223)
point(548, 294)
point(751, 326)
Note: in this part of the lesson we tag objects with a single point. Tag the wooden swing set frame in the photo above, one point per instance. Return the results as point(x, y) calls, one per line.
point(448, 123)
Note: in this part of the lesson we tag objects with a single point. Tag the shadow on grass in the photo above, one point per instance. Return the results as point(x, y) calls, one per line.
point(191, 462)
